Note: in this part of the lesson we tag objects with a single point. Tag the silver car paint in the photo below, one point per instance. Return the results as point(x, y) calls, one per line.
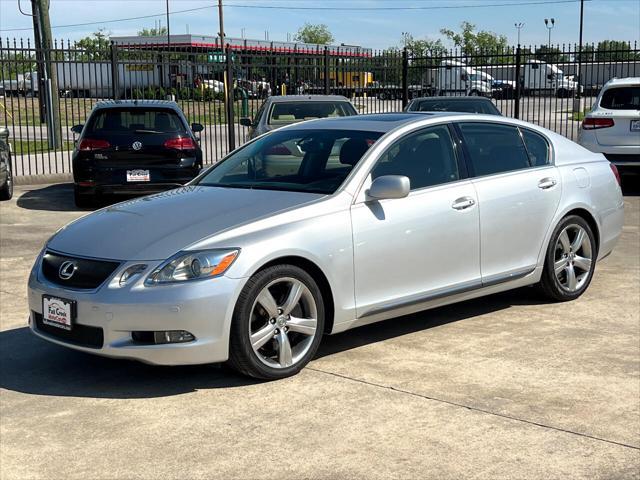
point(319, 230)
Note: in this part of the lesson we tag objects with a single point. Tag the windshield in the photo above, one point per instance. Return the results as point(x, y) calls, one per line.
point(293, 112)
point(315, 161)
point(621, 98)
point(466, 106)
point(130, 120)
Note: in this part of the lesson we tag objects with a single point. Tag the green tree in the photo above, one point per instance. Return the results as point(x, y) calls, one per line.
point(611, 50)
point(422, 47)
point(94, 47)
point(486, 47)
point(152, 32)
point(586, 55)
point(314, 33)
point(550, 54)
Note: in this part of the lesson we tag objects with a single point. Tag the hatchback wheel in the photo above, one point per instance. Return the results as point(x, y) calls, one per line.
point(277, 324)
point(82, 200)
point(570, 261)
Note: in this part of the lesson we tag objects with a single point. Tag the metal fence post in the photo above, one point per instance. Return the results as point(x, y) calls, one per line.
point(326, 71)
point(405, 78)
point(229, 94)
point(114, 71)
point(516, 107)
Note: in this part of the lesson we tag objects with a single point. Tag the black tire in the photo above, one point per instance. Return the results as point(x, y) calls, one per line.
point(242, 357)
point(6, 191)
point(83, 200)
point(549, 283)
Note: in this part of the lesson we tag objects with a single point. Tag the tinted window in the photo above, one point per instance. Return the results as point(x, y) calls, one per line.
point(621, 98)
point(494, 148)
point(537, 148)
point(467, 106)
point(128, 120)
point(296, 160)
point(292, 112)
point(427, 157)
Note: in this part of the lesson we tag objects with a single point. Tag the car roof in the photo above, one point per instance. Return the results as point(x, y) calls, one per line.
point(617, 82)
point(375, 122)
point(137, 104)
point(307, 98)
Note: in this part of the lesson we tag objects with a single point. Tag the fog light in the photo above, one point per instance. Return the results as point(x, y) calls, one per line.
point(173, 336)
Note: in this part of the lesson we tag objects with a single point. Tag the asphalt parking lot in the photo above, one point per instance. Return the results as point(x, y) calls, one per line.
point(509, 386)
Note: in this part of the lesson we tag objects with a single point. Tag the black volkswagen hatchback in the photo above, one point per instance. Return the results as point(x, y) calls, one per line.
point(134, 146)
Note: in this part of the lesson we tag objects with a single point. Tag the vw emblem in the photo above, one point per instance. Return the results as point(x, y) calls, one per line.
point(137, 145)
point(67, 269)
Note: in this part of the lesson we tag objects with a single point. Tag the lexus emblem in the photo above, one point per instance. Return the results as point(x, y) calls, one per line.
point(67, 269)
point(137, 145)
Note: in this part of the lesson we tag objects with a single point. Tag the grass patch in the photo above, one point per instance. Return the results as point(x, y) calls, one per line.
point(579, 116)
point(24, 147)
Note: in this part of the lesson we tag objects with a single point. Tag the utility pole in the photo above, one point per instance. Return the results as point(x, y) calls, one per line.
point(228, 83)
point(579, 76)
point(519, 26)
point(50, 83)
point(168, 48)
point(549, 24)
point(39, 61)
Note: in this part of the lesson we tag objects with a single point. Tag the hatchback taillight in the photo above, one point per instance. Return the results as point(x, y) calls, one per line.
point(183, 143)
point(616, 173)
point(591, 123)
point(93, 144)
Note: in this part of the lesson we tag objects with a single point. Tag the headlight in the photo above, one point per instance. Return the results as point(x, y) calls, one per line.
point(193, 266)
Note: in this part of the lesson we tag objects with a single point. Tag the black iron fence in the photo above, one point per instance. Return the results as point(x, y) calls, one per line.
point(552, 87)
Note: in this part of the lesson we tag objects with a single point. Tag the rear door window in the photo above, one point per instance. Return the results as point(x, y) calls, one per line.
point(621, 98)
point(494, 148)
point(293, 112)
point(135, 120)
point(537, 148)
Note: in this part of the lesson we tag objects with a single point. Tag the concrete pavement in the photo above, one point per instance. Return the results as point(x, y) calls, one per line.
point(509, 386)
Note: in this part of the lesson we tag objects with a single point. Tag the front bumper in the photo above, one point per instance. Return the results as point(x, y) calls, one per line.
point(203, 308)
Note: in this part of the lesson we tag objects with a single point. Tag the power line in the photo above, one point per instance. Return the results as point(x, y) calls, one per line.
point(282, 7)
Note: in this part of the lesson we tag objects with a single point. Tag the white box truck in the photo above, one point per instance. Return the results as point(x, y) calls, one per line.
point(539, 77)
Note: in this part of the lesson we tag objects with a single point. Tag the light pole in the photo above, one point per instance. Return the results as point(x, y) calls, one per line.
point(519, 26)
point(550, 24)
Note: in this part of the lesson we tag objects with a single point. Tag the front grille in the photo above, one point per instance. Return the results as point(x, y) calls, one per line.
point(82, 335)
point(88, 274)
point(622, 158)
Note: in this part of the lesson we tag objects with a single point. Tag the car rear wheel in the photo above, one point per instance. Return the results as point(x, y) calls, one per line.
point(277, 323)
point(570, 261)
point(6, 191)
point(83, 200)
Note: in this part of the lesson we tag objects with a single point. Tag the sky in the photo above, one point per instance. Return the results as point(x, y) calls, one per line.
point(375, 24)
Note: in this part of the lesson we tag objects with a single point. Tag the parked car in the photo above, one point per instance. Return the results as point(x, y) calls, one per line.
point(612, 127)
point(6, 175)
point(268, 250)
point(453, 104)
point(279, 111)
point(134, 146)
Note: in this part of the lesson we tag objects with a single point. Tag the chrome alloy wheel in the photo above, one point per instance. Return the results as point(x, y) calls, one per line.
point(283, 322)
point(573, 257)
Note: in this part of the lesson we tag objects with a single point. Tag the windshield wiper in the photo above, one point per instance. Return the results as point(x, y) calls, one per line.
point(147, 131)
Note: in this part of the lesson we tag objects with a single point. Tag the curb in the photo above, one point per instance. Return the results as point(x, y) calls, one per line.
point(42, 179)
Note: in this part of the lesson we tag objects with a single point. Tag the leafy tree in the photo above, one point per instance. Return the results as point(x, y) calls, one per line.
point(586, 55)
point(550, 54)
point(490, 45)
point(417, 47)
point(152, 32)
point(611, 50)
point(314, 33)
point(94, 47)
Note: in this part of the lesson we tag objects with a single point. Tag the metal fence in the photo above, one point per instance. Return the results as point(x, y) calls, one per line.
point(551, 87)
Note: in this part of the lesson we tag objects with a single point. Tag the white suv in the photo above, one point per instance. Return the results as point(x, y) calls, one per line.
point(612, 127)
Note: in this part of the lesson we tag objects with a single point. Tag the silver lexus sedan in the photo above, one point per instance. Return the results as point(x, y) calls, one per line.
point(324, 226)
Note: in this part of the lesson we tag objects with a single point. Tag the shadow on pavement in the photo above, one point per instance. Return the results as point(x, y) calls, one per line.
point(31, 365)
point(55, 198)
point(631, 185)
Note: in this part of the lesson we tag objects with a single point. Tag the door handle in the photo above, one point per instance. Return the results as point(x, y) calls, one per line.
point(546, 183)
point(463, 203)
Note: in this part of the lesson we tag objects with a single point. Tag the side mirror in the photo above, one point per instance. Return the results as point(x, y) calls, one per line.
point(389, 186)
point(196, 127)
point(77, 129)
point(246, 122)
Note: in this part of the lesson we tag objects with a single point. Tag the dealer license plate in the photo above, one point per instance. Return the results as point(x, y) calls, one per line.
point(58, 312)
point(635, 125)
point(138, 176)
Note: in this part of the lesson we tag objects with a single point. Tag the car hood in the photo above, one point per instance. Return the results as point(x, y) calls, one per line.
point(158, 226)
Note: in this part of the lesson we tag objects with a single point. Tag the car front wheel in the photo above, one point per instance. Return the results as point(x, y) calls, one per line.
point(277, 324)
point(570, 261)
